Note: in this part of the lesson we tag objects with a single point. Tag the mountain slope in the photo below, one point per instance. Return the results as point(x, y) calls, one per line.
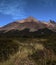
point(28, 42)
point(27, 27)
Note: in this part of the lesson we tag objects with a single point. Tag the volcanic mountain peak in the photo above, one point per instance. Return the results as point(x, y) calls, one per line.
point(29, 19)
point(29, 23)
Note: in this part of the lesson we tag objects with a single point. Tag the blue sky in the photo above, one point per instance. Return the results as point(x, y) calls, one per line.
point(11, 10)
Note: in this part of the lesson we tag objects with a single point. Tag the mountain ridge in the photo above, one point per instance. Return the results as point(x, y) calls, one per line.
point(31, 24)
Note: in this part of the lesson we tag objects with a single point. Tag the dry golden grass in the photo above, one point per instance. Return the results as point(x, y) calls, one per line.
point(31, 51)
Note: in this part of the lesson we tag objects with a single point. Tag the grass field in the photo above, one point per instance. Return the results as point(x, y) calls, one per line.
point(28, 51)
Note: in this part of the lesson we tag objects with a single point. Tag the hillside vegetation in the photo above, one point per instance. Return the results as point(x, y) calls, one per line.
point(28, 51)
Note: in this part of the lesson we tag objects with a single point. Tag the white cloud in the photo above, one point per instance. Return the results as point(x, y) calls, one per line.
point(14, 8)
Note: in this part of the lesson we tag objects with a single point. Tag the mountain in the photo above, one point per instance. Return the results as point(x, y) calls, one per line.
point(27, 27)
point(53, 22)
point(28, 42)
point(29, 23)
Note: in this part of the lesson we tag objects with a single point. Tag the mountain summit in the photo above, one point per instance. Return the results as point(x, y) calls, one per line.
point(29, 19)
point(29, 25)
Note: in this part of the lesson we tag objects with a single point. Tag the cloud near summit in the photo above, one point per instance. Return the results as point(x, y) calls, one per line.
point(21, 8)
point(15, 8)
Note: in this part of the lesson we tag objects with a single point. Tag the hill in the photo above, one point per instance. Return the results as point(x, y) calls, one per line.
point(28, 42)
